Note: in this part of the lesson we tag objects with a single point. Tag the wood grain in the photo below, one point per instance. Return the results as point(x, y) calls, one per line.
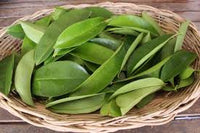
point(11, 10)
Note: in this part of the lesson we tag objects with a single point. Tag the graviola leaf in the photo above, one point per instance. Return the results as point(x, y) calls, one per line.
point(73, 36)
point(186, 73)
point(59, 11)
point(151, 21)
point(93, 53)
point(99, 12)
point(123, 31)
point(131, 21)
point(100, 79)
point(177, 64)
point(145, 100)
point(144, 52)
point(108, 43)
point(45, 47)
point(33, 31)
point(27, 45)
point(16, 31)
point(6, 74)
point(180, 38)
point(138, 84)
point(110, 108)
point(128, 100)
point(65, 79)
point(149, 71)
point(131, 49)
point(146, 38)
point(78, 105)
point(45, 21)
point(23, 73)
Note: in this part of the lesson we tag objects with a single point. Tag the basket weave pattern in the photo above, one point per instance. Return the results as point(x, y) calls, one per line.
point(160, 111)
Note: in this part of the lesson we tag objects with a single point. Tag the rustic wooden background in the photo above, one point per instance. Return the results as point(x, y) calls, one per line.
point(10, 10)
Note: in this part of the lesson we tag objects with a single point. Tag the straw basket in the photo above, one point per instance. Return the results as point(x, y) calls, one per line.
point(160, 111)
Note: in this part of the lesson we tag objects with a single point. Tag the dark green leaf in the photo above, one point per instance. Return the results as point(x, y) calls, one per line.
point(6, 73)
point(144, 52)
point(93, 53)
point(145, 100)
point(103, 75)
point(16, 31)
point(177, 64)
point(131, 49)
point(27, 45)
point(108, 43)
point(45, 46)
point(58, 78)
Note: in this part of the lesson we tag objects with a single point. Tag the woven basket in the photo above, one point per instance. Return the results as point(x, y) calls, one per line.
point(160, 111)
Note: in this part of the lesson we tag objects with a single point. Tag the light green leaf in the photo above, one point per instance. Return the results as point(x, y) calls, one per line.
point(180, 38)
point(138, 84)
point(23, 75)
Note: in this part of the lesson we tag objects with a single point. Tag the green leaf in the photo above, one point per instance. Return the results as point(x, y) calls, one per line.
point(33, 31)
point(6, 73)
point(149, 72)
point(177, 64)
point(23, 75)
point(110, 108)
point(103, 75)
point(186, 73)
point(144, 52)
point(123, 31)
point(152, 22)
point(62, 52)
point(78, 105)
point(168, 49)
point(73, 36)
point(108, 43)
point(131, 49)
point(146, 100)
point(45, 21)
point(93, 53)
point(185, 82)
point(113, 88)
point(50, 83)
point(180, 38)
point(58, 12)
point(45, 47)
point(138, 84)
point(131, 21)
point(91, 66)
point(99, 12)
point(128, 100)
point(27, 45)
point(146, 38)
point(16, 31)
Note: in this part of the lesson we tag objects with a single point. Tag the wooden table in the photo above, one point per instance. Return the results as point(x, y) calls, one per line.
point(10, 10)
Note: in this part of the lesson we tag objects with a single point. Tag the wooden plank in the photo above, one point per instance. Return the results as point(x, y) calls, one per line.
point(173, 6)
point(181, 126)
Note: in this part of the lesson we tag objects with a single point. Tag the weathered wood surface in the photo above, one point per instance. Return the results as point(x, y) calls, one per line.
point(10, 10)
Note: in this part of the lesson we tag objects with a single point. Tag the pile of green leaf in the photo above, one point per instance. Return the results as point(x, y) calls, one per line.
point(82, 60)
